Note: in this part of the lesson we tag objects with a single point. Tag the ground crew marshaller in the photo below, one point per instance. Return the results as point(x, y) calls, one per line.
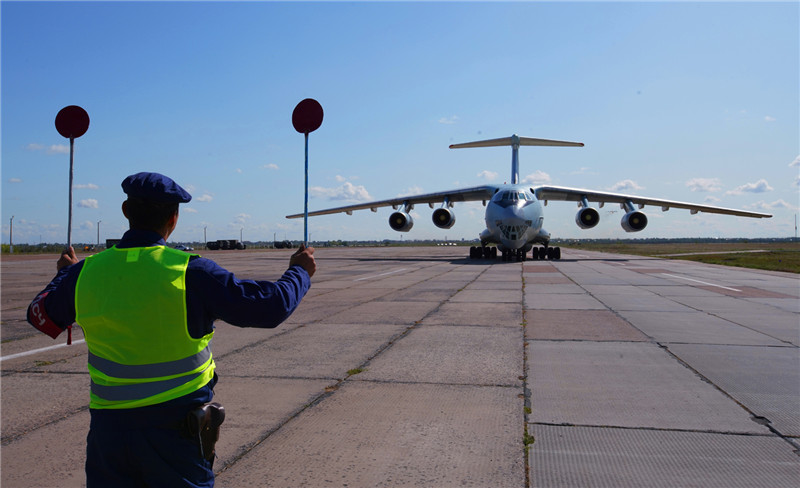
point(147, 313)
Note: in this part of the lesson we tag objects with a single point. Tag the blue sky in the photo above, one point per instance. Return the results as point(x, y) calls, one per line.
point(688, 101)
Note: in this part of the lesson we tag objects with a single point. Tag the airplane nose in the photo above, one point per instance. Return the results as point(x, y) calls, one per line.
point(513, 225)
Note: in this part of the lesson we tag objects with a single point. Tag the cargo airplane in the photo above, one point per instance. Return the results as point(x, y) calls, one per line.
point(515, 212)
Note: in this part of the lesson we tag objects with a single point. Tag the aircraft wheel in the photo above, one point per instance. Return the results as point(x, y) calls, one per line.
point(535, 253)
point(542, 252)
point(549, 253)
point(557, 253)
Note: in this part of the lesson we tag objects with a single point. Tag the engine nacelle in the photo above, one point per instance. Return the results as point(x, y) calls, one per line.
point(401, 221)
point(443, 218)
point(587, 217)
point(634, 221)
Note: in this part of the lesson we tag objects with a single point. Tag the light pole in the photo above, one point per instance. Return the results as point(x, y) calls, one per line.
point(11, 236)
point(98, 233)
point(204, 234)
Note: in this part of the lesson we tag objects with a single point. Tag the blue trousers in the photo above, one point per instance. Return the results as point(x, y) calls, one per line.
point(122, 457)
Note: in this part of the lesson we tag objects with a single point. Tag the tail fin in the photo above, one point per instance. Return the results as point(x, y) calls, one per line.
point(515, 142)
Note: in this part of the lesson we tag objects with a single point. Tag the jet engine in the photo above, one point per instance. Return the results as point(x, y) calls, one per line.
point(634, 221)
point(401, 221)
point(443, 218)
point(587, 217)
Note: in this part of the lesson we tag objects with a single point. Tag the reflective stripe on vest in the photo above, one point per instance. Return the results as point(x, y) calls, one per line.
point(137, 371)
point(122, 393)
point(131, 304)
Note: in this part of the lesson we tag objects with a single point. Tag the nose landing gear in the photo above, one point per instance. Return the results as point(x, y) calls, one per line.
point(518, 255)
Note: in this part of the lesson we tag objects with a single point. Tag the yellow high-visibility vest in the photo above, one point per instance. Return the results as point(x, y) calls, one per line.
point(131, 305)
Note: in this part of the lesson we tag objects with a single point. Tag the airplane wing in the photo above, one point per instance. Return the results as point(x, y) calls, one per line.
point(560, 193)
point(462, 195)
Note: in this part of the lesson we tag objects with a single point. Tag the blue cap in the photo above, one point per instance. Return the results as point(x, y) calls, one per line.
point(155, 187)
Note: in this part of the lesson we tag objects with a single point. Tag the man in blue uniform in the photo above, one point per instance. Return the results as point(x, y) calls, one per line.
point(147, 312)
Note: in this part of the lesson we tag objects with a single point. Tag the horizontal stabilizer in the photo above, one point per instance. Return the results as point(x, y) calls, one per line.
point(510, 141)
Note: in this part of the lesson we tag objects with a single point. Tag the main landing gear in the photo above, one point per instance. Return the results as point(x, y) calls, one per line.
point(478, 252)
point(546, 253)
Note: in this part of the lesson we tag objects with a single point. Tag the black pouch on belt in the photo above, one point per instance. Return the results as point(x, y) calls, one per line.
point(203, 423)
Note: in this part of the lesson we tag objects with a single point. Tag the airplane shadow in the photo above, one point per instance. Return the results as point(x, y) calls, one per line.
point(470, 261)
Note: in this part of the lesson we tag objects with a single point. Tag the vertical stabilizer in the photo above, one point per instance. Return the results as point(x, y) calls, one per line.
point(515, 142)
point(514, 159)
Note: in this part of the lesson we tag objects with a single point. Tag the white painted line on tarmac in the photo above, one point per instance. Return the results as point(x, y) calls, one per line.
point(28, 353)
point(698, 281)
point(382, 274)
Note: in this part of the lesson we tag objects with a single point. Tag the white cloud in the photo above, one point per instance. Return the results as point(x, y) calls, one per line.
point(795, 163)
point(86, 225)
point(584, 170)
point(204, 198)
point(710, 199)
point(347, 192)
point(189, 210)
point(88, 186)
point(239, 170)
point(52, 149)
point(413, 190)
point(449, 120)
point(538, 177)
point(704, 184)
point(625, 185)
point(58, 149)
point(340, 178)
point(769, 119)
point(487, 175)
point(782, 204)
point(759, 186)
point(88, 203)
point(14, 180)
point(271, 166)
point(777, 204)
point(241, 218)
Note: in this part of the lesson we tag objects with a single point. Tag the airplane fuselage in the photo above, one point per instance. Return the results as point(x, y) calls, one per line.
point(514, 219)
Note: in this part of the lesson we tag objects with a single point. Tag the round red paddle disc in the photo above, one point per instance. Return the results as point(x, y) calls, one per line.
point(307, 116)
point(72, 121)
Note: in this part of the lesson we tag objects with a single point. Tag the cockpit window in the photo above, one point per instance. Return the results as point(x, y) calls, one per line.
point(514, 196)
